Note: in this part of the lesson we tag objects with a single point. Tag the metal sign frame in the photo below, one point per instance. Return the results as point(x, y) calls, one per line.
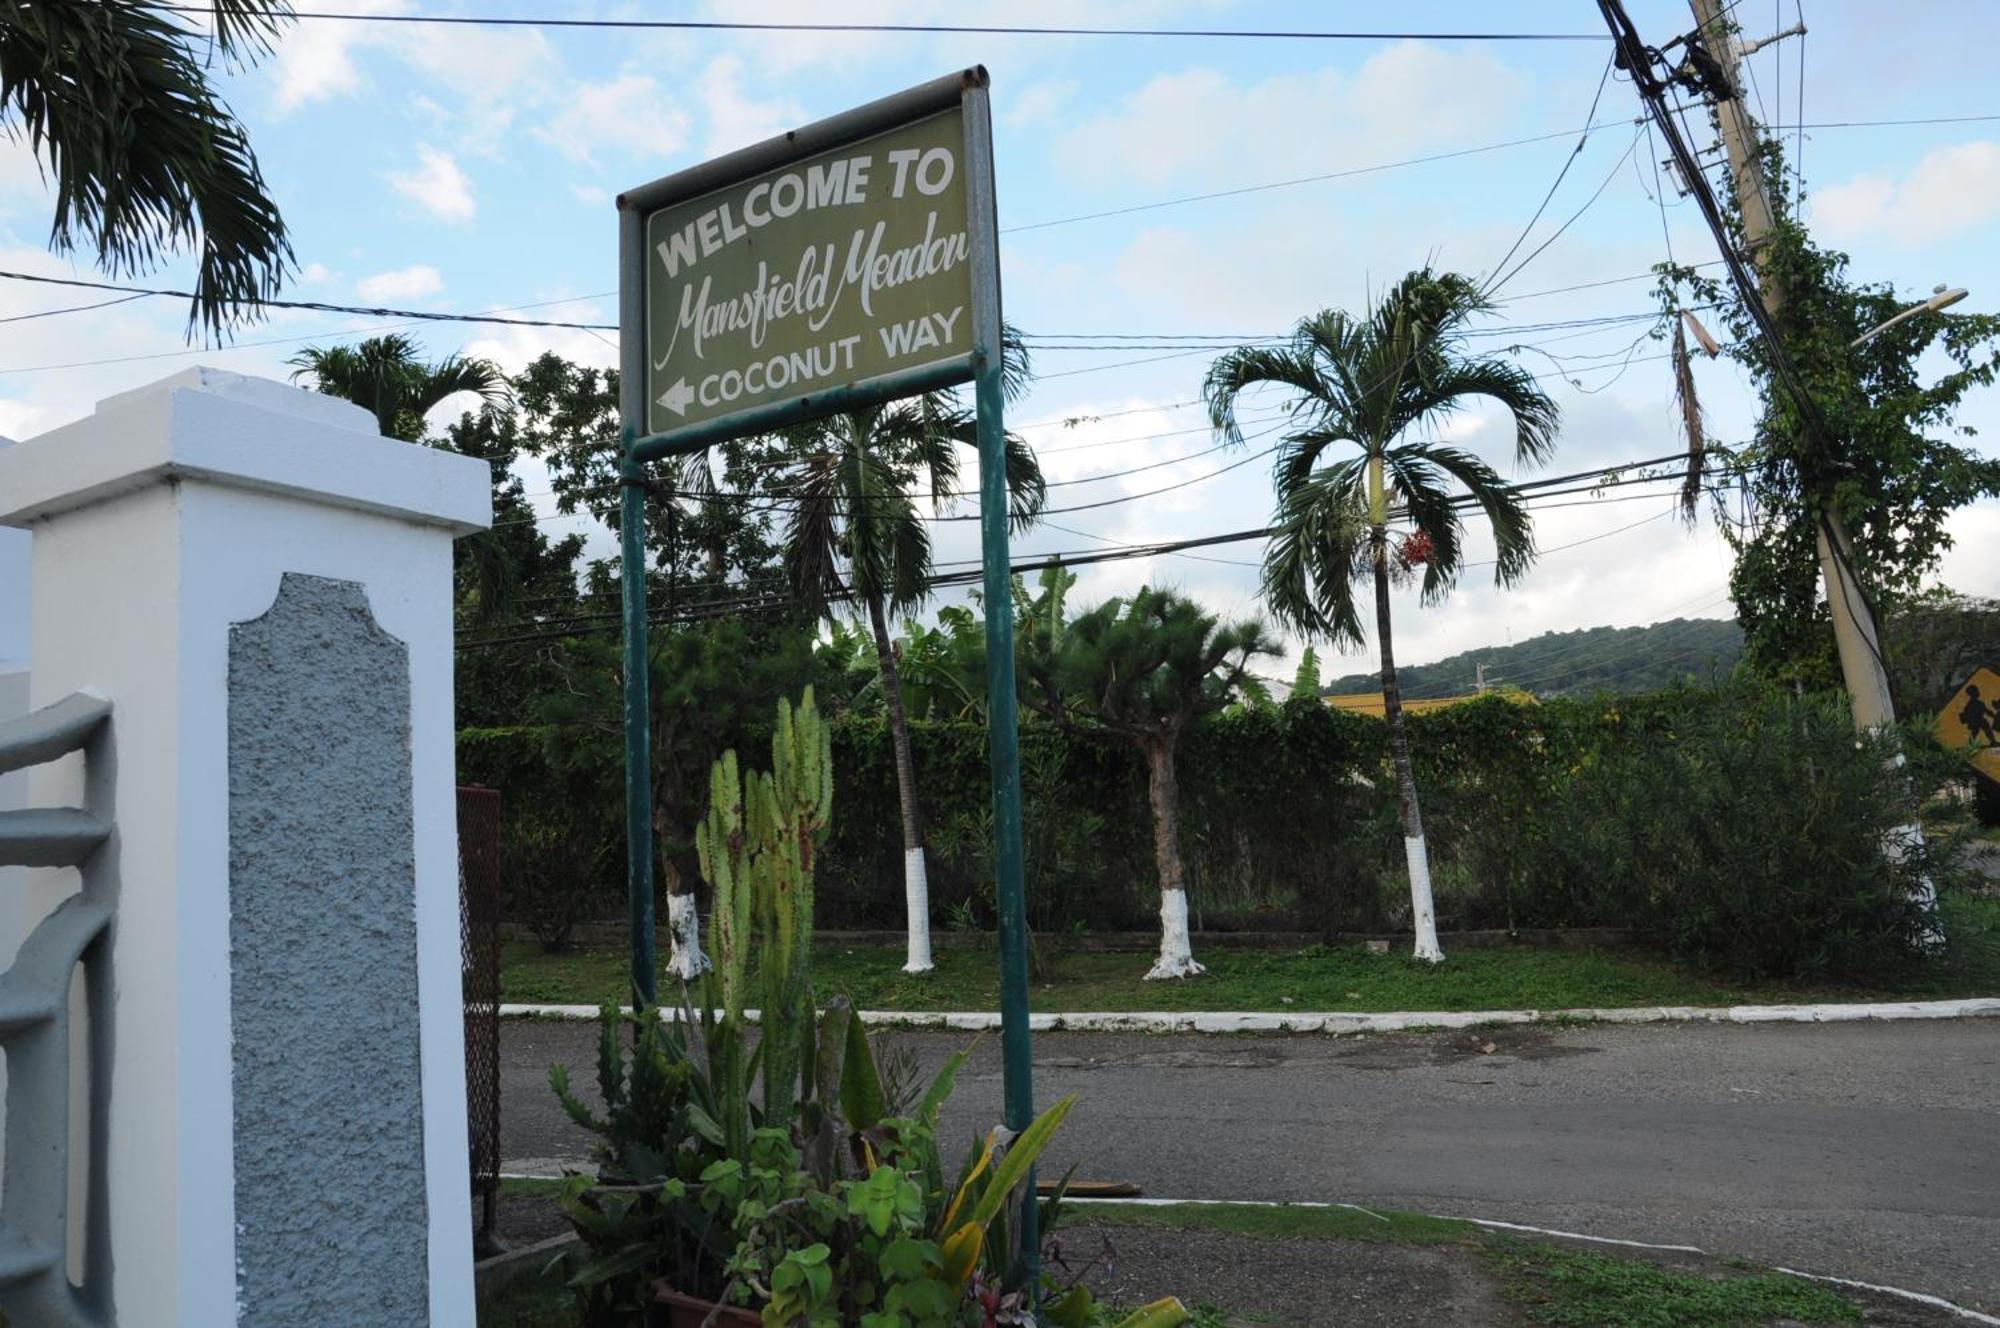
point(966, 91)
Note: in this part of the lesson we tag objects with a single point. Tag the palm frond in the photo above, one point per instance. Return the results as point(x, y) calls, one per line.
point(143, 158)
point(1309, 566)
point(1239, 370)
point(1537, 418)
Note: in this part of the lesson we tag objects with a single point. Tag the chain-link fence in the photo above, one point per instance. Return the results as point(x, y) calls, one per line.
point(479, 868)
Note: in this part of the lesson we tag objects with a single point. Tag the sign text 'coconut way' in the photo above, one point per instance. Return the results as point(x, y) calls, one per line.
point(830, 270)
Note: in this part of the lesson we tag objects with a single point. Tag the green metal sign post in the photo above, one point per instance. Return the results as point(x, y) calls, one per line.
point(850, 262)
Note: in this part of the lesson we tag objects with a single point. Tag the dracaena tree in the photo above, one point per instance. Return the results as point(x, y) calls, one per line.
point(1366, 492)
point(857, 487)
point(1145, 669)
point(143, 158)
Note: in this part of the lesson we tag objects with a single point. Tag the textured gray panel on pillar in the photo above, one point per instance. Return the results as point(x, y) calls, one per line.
point(331, 1214)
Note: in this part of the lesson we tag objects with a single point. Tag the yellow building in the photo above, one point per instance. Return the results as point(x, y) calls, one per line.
point(1370, 703)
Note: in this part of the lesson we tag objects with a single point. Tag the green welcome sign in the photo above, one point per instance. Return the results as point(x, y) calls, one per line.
point(821, 280)
point(846, 263)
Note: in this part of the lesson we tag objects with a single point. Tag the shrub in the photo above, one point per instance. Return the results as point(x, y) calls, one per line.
point(1742, 830)
point(553, 864)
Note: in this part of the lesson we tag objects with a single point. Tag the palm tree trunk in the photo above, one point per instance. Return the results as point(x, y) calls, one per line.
point(1423, 913)
point(1176, 951)
point(916, 883)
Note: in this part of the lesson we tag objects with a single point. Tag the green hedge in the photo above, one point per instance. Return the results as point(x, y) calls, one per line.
point(1738, 827)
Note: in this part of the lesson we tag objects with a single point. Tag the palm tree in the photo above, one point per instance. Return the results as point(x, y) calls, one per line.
point(856, 532)
point(143, 157)
point(387, 376)
point(1360, 388)
point(1145, 670)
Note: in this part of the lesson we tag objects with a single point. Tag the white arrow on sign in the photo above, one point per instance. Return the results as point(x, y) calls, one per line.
point(677, 397)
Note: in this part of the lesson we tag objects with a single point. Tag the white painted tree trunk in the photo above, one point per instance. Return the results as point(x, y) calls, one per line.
point(916, 882)
point(1176, 949)
point(1423, 914)
point(1423, 911)
point(1163, 791)
point(685, 959)
point(917, 903)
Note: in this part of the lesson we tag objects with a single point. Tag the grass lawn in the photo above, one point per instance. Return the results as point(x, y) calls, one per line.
point(1553, 1285)
point(1346, 978)
point(1563, 1287)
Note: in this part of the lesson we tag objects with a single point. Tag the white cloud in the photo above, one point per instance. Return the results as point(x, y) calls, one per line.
point(514, 348)
point(736, 120)
point(437, 185)
point(1949, 191)
point(1199, 124)
point(409, 283)
point(312, 274)
point(591, 195)
point(1037, 102)
point(631, 113)
point(482, 76)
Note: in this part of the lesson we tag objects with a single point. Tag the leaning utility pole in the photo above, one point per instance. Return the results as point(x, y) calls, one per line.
point(1854, 631)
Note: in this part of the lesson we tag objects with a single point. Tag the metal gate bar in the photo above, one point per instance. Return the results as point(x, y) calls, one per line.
point(479, 871)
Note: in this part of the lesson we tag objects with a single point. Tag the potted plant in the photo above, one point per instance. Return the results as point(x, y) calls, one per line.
point(820, 1199)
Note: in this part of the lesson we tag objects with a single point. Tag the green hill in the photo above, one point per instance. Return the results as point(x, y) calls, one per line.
point(1597, 659)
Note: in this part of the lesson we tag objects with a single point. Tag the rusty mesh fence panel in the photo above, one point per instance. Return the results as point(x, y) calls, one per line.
point(479, 868)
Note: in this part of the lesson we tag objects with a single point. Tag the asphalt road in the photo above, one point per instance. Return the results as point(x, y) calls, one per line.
point(1868, 1151)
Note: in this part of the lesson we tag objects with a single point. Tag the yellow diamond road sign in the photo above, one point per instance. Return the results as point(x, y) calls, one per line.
point(1971, 719)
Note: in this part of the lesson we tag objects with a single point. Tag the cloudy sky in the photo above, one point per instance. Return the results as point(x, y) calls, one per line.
point(472, 169)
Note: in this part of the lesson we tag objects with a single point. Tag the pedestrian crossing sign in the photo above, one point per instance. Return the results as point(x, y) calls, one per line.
point(1971, 720)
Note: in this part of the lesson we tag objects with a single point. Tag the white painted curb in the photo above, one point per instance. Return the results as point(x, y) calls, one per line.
point(1223, 1021)
point(1493, 1224)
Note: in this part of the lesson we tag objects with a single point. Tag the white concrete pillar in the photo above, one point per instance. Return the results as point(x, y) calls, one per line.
point(262, 587)
point(13, 703)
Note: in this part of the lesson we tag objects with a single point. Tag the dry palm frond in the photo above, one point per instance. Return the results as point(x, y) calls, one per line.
point(1690, 408)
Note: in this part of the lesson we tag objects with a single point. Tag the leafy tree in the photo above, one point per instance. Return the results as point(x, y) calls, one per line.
point(388, 377)
point(516, 586)
point(1305, 683)
point(1145, 669)
point(144, 158)
point(942, 669)
point(715, 685)
point(1934, 643)
point(1887, 458)
point(855, 485)
point(1364, 392)
point(724, 645)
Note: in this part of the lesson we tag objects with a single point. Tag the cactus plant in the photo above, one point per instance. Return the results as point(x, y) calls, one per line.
point(757, 847)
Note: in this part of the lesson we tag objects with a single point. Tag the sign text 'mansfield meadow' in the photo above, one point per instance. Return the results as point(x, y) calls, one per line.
point(831, 269)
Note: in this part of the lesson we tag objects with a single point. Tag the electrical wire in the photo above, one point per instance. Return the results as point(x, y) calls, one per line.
point(590, 623)
point(953, 29)
point(75, 308)
point(1588, 203)
point(320, 306)
point(1589, 122)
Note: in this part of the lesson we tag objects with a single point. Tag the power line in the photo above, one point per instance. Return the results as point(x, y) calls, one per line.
point(319, 306)
point(590, 623)
point(967, 29)
point(74, 308)
point(1588, 203)
point(1295, 181)
point(1589, 122)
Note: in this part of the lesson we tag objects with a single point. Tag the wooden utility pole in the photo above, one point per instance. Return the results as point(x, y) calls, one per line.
point(1854, 630)
point(1862, 666)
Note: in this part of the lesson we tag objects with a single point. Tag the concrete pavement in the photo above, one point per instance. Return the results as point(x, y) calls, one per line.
point(1869, 1151)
